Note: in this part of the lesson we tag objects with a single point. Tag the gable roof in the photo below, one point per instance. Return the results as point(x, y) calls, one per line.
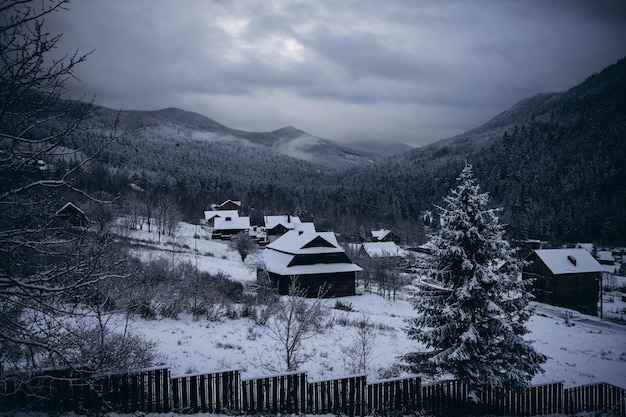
point(211, 214)
point(606, 255)
point(296, 242)
point(236, 223)
point(382, 249)
point(278, 263)
point(559, 261)
point(380, 234)
point(587, 246)
point(287, 220)
point(235, 202)
point(69, 207)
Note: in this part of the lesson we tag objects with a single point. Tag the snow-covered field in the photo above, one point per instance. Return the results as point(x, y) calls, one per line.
point(581, 349)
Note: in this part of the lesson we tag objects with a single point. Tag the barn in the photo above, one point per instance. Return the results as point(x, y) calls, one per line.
point(314, 259)
point(565, 277)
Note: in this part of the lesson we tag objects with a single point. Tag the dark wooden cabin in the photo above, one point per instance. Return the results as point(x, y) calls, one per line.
point(315, 260)
point(71, 215)
point(565, 277)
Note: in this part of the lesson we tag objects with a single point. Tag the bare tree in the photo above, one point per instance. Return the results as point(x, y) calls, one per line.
point(45, 262)
point(295, 319)
point(243, 243)
point(359, 353)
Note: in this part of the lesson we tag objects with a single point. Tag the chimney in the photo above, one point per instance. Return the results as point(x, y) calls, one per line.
point(289, 218)
point(571, 259)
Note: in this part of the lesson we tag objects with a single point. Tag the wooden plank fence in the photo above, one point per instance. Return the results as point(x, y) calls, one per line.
point(401, 395)
point(285, 393)
point(212, 393)
point(595, 397)
point(153, 390)
point(338, 396)
point(78, 390)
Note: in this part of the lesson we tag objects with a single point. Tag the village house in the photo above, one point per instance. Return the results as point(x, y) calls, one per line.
point(381, 249)
point(225, 227)
point(565, 277)
point(315, 260)
point(276, 226)
point(71, 215)
point(211, 215)
point(384, 235)
point(228, 205)
point(605, 257)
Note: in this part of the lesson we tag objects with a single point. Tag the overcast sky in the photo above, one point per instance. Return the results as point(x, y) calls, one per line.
point(413, 71)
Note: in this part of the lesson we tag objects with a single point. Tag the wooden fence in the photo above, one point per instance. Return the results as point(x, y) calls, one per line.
point(399, 395)
point(78, 390)
point(213, 393)
point(454, 398)
point(285, 393)
point(595, 397)
point(153, 390)
point(345, 396)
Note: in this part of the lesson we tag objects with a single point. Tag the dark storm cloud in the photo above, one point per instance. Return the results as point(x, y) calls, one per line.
point(393, 70)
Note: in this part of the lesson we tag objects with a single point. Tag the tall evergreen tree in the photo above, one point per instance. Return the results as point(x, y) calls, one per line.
point(472, 322)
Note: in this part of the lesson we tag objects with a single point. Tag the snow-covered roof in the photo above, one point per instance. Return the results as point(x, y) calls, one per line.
point(235, 202)
point(562, 261)
point(277, 262)
point(380, 234)
point(211, 214)
point(71, 206)
point(222, 223)
point(381, 249)
point(587, 246)
point(296, 242)
point(306, 227)
point(287, 220)
point(605, 255)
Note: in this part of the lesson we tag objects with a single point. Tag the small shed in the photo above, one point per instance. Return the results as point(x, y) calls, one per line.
point(314, 259)
point(565, 277)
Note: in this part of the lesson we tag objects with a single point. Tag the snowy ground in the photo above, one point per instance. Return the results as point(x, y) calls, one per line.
point(581, 349)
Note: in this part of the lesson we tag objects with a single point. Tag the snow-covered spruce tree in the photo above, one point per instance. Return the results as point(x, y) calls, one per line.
point(472, 322)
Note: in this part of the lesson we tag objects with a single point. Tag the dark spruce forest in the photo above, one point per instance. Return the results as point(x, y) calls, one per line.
point(555, 163)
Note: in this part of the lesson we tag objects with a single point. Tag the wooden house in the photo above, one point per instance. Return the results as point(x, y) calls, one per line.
point(384, 235)
point(211, 215)
point(565, 277)
point(225, 227)
point(276, 226)
point(228, 205)
point(382, 250)
point(71, 215)
point(314, 259)
point(605, 257)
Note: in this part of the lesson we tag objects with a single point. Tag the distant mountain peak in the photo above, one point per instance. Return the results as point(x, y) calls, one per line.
point(289, 132)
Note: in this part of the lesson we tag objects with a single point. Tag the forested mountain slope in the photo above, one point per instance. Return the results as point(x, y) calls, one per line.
point(556, 163)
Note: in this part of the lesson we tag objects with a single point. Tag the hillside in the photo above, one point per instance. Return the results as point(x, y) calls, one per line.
point(554, 162)
point(183, 127)
point(594, 351)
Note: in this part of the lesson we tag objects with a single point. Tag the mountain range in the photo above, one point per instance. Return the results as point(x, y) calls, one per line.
point(173, 124)
point(554, 162)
